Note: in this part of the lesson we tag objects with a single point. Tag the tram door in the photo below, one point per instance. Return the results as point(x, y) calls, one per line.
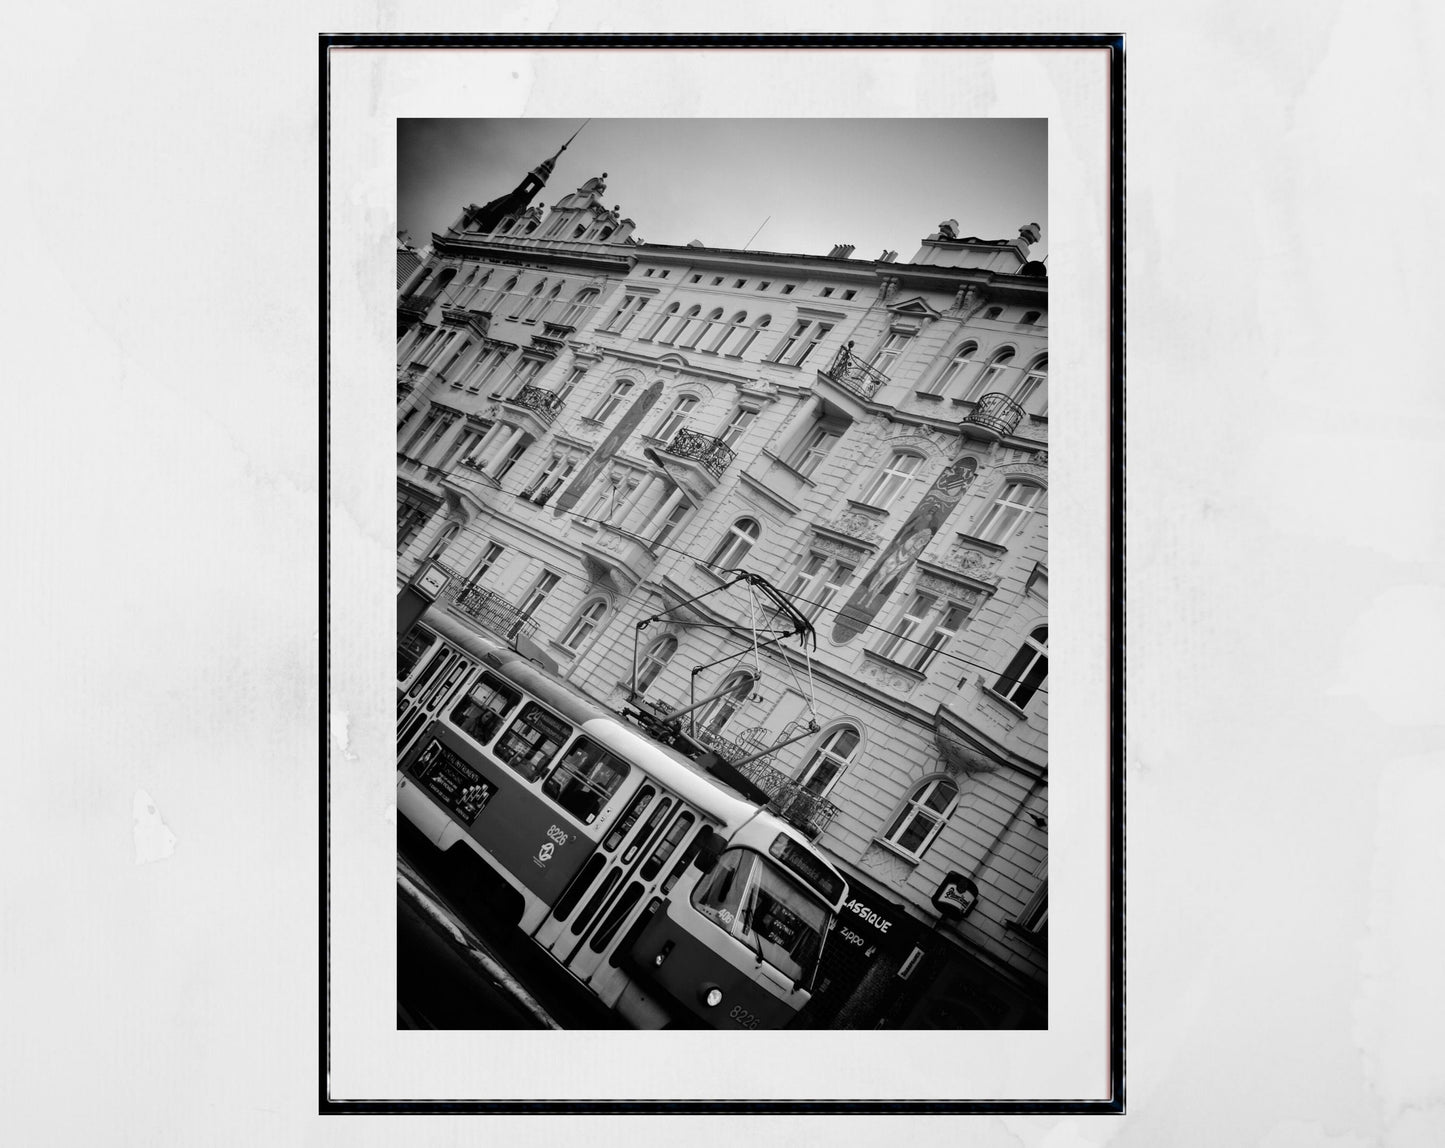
point(618, 882)
point(433, 686)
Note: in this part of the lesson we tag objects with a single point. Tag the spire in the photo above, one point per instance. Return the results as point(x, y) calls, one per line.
point(517, 200)
point(544, 169)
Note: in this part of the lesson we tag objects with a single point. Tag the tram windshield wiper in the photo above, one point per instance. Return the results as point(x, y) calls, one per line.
point(747, 916)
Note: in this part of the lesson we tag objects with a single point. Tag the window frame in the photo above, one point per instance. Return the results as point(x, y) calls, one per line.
point(585, 623)
point(914, 808)
point(1013, 685)
point(822, 753)
point(736, 543)
point(882, 491)
point(995, 524)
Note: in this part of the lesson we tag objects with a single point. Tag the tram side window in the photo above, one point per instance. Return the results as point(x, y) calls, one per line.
point(481, 712)
point(532, 741)
point(414, 643)
point(585, 779)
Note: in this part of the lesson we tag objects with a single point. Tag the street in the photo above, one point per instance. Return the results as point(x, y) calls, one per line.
point(458, 971)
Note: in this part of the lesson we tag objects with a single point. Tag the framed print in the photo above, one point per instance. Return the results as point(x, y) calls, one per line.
point(750, 392)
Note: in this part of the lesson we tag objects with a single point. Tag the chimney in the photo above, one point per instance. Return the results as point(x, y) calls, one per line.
point(887, 256)
point(1030, 234)
point(841, 251)
point(948, 229)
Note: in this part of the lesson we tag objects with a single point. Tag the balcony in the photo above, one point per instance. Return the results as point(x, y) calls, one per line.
point(553, 337)
point(542, 405)
point(414, 308)
point(492, 611)
point(852, 374)
point(799, 807)
point(711, 454)
point(993, 417)
point(618, 557)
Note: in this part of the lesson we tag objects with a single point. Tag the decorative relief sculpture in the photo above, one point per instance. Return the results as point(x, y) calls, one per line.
point(855, 525)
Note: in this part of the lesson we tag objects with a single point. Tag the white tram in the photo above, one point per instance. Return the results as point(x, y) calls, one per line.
point(671, 896)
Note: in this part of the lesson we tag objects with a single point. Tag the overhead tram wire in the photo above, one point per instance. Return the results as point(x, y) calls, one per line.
point(962, 661)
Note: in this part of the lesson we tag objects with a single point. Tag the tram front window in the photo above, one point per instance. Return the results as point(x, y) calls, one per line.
point(749, 897)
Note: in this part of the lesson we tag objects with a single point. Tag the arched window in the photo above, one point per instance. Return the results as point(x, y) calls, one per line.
point(444, 539)
point(613, 398)
point(587, 621)
point(954, 370)
point(605, 236)
point(924, 812)
point(727, 330)
point(654, 662)
point(1029, 319)
point(1016, 502)
point(531, 227)
point(530, 301)
point(1027, 671)
point(694, 335)
point(661, 321)
point(760, 325)
point(1032, 392)
point(892, 480)
point(991, 377)
point(714, 716)
point(675, 418)
point(735, 544)
point(540, 309)
point(580, 231)
point(993, 313)
point(501, 294)
point(572, 317)
point(680, 326)
point(475, 290)
point(827, 762)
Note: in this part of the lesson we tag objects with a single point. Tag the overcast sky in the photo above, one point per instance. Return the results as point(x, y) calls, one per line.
point(873, 183)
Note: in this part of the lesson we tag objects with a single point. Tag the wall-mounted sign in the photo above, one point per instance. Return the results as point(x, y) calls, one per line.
point(956, 896)
point(870, 923)
point(431, 580)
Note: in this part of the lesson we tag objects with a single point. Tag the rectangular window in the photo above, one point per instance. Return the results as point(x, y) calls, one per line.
point(610, 403)
point(670, 527)
point(414, 643)
point(544, 586)
point(585, 779)
point(532, 741)
point(899, 645)
point(490, 553)
point(481, 712)
point(820, 580)
point(818, 334)
point(813, 450)
point(887, 354)
point(944, 626)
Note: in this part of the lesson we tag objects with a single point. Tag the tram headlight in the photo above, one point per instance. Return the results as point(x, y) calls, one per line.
point(711, 995)
point(662, 954)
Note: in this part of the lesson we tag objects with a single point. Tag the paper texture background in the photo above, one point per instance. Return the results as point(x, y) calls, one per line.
point(160, 969)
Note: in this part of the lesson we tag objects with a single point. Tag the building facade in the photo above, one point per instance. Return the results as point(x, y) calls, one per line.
point(597, 434)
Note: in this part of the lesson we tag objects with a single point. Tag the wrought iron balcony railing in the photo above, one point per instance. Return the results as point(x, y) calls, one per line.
point(854, 375)
point(797, 806)
point(492, 611)
point(544, 404)
point(996, 414)
point(713, 454)
point(803, 808)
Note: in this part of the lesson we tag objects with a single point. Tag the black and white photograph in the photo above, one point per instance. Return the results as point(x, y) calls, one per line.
point(723, 573)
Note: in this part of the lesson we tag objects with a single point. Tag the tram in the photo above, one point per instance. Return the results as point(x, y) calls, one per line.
point(672, 896)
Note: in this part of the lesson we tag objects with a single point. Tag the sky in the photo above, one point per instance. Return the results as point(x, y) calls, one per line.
point(809, 184)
